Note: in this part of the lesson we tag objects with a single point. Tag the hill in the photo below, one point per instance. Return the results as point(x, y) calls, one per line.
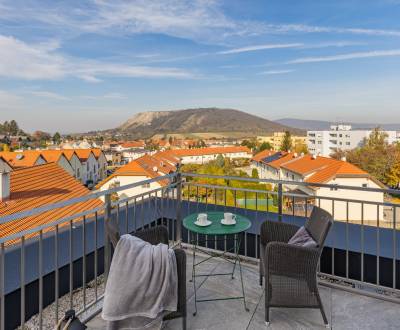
point(201, 120)
point(324, 125)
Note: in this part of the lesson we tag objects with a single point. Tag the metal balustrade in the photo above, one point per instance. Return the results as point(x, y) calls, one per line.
point(65, 263)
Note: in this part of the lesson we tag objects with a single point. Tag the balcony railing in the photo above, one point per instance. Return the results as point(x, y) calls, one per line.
point(64, 264)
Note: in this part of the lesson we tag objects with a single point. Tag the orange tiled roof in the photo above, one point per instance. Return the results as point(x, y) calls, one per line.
point(285, 157)
point(209, 151)
point(308, 164)
point(42, 185)
point(83, 154)
point(51, 156)
point(69, 153)
point(96, 152)
point(133, 144)
point(142, 166)
point(337, 169)
point(21, 159)
point(261, 155)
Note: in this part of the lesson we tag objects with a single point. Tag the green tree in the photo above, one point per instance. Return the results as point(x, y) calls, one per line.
point(264, 146)
point(220, 161)
point(254, 173)
point(286, 142)
point(57, 138)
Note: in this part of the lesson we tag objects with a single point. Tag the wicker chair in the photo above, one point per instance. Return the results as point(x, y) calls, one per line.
point(289, 270)
point(156, 235)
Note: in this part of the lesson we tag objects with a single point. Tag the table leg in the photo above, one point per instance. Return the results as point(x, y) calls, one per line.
point(240, 269)
point(236, 252)
point(194, 277)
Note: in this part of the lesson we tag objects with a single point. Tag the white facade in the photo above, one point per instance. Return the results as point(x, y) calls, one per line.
point(202, 159)
point(341, 137)
point(77, 166)
point(65, 165)
point(132, 154)
point(102, 167)
point(123, 180)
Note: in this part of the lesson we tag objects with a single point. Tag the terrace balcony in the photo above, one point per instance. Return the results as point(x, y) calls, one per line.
point(64, 263)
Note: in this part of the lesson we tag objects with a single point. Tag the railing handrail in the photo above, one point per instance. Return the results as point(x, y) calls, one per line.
point(288, 182)
point(92, 195)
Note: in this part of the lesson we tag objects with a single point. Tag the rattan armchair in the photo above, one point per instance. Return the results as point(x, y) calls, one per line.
point(156, 235)
point(290, 271)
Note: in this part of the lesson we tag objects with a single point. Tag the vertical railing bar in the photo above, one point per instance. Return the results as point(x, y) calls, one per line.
point(141, 211)
point(95, 256)
point(394, 247)
point(362, 241)
point(293, 201)
point(2, 293)
point(377, 246)
point(134, 213)
point(84, 261)
point(71, 270)
point(206, 211)
point(56, 273)
point(305, 207)
point(347, 239)
point(255, 235)
point(333, 248)
point(22, 285)
point(40, 279)
point(225, 211)
point(127, 216)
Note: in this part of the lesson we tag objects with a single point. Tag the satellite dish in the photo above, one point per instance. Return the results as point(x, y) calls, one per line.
point(19, 156)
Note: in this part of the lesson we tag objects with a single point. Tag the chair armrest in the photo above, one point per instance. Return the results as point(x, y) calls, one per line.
point(272, 231)
point(291, 260)
point(154, 235)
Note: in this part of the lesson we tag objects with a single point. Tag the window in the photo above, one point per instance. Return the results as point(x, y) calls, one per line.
point(87, 166)
point(365, 185)
point(78, 173)
point(293, 177)
point(146, 185)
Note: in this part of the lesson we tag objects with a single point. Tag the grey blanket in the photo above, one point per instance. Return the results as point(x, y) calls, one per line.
point(142, 285)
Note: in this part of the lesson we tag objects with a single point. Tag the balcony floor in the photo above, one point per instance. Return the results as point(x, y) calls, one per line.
point(344, 310)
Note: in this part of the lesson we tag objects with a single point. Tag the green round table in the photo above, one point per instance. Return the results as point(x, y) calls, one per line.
point(216, 228)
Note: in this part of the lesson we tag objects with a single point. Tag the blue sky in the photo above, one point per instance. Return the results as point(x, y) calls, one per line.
point(82, 65)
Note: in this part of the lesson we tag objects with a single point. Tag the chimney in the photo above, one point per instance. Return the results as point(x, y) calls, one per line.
point(4, 186)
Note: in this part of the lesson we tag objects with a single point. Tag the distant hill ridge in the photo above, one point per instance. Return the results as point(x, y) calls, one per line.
point(325, 125)
point(200, 120)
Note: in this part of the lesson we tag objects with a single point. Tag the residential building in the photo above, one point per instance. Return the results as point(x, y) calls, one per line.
point(52, 185)
point(4, 166)
point(76, 164)
point(205, 155)
point(101, 163)
point(322, 170)
point(276, 139)
point(90, 167)
point(58, 157)
point(123, 146)
point(22, 159)
point(143, 168)
point(341, 137)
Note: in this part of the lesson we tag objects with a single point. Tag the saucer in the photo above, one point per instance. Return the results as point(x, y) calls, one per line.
point(224, 222)
point(205, 224)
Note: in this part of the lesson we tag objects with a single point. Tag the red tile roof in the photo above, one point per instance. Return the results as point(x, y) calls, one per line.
point(133, 144)
point(21, 159)
point(42, 185)
point(146, 165)
point(83, 154)
point(307, 164)
point(261, 155)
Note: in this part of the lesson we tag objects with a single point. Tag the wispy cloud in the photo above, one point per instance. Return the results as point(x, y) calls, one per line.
point(260, 47)
point(273, 72)
point(49, 95)
point(42, 62)
point(198, 20)
point(349, 56)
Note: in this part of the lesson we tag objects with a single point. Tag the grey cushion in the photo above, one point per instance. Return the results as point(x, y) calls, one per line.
point(302, 238)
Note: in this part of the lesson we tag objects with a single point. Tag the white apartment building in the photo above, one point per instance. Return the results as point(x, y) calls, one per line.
point(341, 137)
point(322, 170)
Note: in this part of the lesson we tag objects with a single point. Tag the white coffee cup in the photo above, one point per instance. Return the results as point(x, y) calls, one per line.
point(229, 217)
point(202, 218)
